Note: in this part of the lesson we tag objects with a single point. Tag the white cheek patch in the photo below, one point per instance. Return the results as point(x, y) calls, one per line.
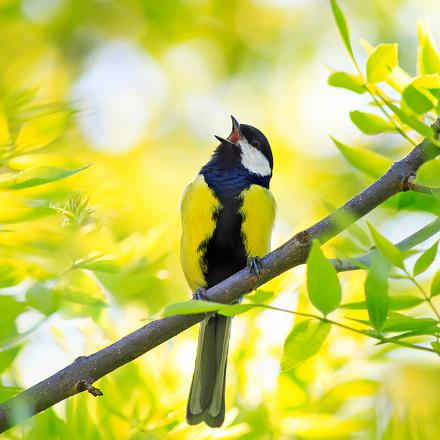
point(254, 160)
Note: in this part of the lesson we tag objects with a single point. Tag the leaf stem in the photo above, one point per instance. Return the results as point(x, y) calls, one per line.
point(424, 293)
point(390, 118)
point(376, 336)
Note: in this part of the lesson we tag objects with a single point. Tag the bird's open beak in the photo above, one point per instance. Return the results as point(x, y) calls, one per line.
point(235, 135)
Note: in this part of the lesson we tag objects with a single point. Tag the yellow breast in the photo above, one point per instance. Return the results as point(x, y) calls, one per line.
point(258, 211)
point(198, 207)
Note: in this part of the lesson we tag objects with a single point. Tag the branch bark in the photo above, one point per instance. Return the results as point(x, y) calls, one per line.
point(88, 369)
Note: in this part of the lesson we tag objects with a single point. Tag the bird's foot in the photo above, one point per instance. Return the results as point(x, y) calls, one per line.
point(255, 265)
point(200, 294)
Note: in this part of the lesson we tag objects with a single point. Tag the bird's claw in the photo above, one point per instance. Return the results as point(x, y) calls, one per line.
point(200, 294)
point(255, 265)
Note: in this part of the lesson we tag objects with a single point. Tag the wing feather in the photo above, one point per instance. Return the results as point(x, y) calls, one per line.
point(198, 207)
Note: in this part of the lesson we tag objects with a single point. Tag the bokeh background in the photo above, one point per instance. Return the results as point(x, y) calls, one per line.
point(138, 89)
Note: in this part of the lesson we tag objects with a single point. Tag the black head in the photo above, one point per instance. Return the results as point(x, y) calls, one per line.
point(255, 151)
point(257, 140)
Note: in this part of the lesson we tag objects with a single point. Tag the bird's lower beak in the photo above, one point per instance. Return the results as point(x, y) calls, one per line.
point(235, 135)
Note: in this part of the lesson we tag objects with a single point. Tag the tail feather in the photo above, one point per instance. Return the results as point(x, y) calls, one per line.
point(207, 395)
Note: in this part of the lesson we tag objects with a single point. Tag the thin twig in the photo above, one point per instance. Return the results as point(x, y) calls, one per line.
point(84, 385)
point(384, 101)
point(424, 293)
point(411, 185)
point(362, 261)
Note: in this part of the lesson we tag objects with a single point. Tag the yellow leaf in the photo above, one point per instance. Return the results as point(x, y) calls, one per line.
point(427, 81)
point(4, 131)
point(381, 62)
point(41, 131)
point(398, 79)
point(428, 60)
point(25, 161)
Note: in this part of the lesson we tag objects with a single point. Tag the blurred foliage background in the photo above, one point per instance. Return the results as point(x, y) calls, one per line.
point(107, 110)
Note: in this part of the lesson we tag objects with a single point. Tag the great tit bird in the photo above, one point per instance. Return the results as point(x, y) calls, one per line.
point(227, 217)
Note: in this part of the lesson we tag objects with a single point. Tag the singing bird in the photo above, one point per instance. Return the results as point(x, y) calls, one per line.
point(227, 217)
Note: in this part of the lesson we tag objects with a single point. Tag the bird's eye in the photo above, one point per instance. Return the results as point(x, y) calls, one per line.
point(255, 143)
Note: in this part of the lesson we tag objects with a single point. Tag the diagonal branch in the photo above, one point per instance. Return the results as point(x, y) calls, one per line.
point(88, 369)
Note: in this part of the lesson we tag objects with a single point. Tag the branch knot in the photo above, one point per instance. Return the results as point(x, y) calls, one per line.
point(84, 385)
point(407, 182)
point(303, 238)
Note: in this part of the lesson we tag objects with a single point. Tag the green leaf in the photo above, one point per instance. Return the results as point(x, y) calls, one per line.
point(79, 296)
point(43, 299)
point(24, 213)
point(403, 323)
point(235, 309)
point(342, 26)
point(200, 306)
point(428, 60)
point(7, 357)
point(420, 95)
point(4, 131)
point(426, 259)
point(10, 275)
point(358, 233)
point(410, 120)
point(392, 253)
point(435, 284)
point(370, 123)
point(190, 307)
point(9, 306)
point(322, 281)
point(304, 341)
point(403, 302)
point(259, 296)
point(356, 305)
point(429, 174)
point(361, 321)
point(396, 302)
point(376, 293)
point(10, 309)
point(432, 331)
point(42, 130)
point(347, 81)
point(8, 392)
point(37, 176)
point(108, 266)
point(436, 346)
point(367, 161)
point(381, 62)
point(419, 101)
point(413, 201)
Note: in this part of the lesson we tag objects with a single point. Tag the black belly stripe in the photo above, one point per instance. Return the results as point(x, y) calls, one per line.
point(225, 252)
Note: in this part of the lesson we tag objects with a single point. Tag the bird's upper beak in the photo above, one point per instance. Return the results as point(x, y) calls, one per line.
point(235, 135)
